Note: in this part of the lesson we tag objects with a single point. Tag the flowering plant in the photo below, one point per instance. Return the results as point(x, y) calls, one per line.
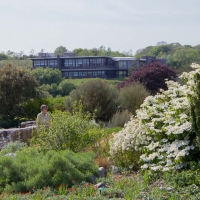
point(162, 128)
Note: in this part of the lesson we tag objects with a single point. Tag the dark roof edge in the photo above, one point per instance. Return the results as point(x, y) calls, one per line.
point(42, 58)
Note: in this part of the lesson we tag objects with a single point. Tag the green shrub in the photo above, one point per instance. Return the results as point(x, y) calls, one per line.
point(32, 107)
point(120, 118)
point(132, 96)
point(126, 159)
point(57, 103)
point(67, 131)
point(62, 89)
point(31, 169)
point(54, 90)
point(47, 75)
point(65, 87)
point(17, 85)
point(97, 97)
point(183, 178)
point(11, 147)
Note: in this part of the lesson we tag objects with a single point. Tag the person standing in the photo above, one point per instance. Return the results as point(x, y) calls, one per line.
point(43, 118)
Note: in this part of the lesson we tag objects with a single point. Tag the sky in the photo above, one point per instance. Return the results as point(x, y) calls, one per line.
point(122, 25)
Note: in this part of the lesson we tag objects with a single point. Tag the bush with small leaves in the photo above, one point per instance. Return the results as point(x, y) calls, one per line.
point(67, 131)
point(31, 169)
point(119, 118)
point(65, 87)
point(47, 75)
point(132, 96)
point(97, 97)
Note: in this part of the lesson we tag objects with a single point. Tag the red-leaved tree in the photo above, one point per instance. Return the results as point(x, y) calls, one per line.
point(152, 76)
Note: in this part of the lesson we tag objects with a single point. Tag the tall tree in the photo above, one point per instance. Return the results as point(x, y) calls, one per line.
point(161, 43)
point(60, 50)
point(3, 56)
point(16, 86)
point(152, 76)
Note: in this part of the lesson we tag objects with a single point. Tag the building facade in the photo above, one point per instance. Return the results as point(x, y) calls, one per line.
point(90, 66)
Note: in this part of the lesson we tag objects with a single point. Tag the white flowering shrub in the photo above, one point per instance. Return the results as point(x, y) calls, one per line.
point(162, 128)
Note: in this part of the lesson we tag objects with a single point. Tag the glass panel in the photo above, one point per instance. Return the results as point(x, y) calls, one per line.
point(89, 73)
point(66, 63)
point(104, 61)
point(93, 61)
point(123, 64)
point(109, 61)
point(85, 62)
point(69, 63)
point(72, 62)
point(79, 62)
point(94, 74)
point(42, 63)
point(84, 73)
point(51, 63)
point(36, 63)
point(99, 61)
point(65, 74)
point(75, 73)
point(55, 63)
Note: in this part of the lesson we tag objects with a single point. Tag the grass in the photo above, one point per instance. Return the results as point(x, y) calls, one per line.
point(113, 130)
point(77, 82)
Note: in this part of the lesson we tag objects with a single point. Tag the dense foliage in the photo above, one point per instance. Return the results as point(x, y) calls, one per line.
point(178, 56)
point(52, 83)
point(16, 86)
point(132, 96)
point(97, 97)
point(65, 87)
point(66, 131)
point(162, 130)
point(28, 169)
point(120, 118)
point(3, 56)
point(60, 50)
point(47, 75)
point(101, 51)
point(152, 76)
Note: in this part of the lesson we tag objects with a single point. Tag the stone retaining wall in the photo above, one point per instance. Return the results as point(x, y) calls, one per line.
point(13, 134)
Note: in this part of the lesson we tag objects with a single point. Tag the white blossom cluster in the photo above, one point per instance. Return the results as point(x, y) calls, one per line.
point(162, 127)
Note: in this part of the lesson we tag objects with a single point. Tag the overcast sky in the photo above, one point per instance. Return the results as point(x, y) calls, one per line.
point(119, 24)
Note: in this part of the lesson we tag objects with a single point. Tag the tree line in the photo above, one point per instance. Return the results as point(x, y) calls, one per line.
point(179, 57)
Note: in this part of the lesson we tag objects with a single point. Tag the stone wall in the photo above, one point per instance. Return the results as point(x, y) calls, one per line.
point(13, 134)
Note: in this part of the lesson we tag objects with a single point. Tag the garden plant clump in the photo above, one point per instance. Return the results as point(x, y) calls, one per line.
point(162, 129)
point(28, 169)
